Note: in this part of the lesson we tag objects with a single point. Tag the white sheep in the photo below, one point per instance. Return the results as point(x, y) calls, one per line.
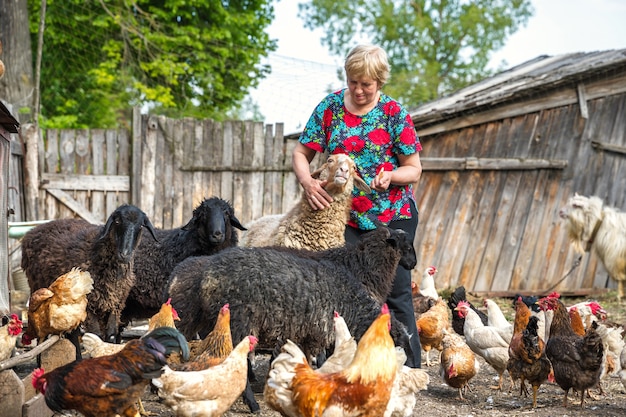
point(305, 228)
point(591, 224)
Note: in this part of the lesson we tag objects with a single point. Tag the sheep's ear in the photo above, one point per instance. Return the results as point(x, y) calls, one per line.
point(235, 223)
point(107, 227)
point(190, 224)
point(360, 184)
point(148, 225)
point(316, 174)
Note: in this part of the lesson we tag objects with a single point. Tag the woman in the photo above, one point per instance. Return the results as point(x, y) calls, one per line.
point(378, 133)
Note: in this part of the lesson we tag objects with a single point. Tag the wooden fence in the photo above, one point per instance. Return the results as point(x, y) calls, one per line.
point(166, 167)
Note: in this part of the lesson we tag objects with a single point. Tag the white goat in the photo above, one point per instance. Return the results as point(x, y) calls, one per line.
point(305, 228)
point(592, 224)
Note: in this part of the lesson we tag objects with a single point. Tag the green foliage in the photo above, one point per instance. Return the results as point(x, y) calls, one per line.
point(176, 57)
point(434, 47)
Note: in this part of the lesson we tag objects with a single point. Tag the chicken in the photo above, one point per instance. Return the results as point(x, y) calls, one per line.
point(430, 327)
point(486, 341)
point(8, 336)
point(166, 316)
point(458, 364)
point(457, 321)
point(95, 347)
point(427, 286)
point(522, 316)
point(363, 388)
point(495, 316)
point(589, 310)
point(622, 372)
point(576, 321)
point(421, 304)
point(213, 349)
point(208, 392)
point(110, 385)
point(406, 384)
point(345, 347)
point(576, 360)
point(531, 365)
point(60, 308)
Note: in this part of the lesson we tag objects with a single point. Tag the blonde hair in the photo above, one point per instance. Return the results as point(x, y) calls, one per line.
point(368, 61)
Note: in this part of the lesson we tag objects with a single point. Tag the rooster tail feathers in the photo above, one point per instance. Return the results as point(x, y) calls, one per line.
point(171, 339)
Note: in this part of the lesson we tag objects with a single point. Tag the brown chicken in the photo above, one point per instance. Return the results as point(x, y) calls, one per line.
point(522, 315)
point(577, 321)
point(430, 327)
point(458, 364)
point(530, 362)
point(576, 360)
point(363, 388)
point(212, 350)
point(421, 303)
point(60, 308)
point(110, 385)
point(208, 392)
point(166, 316)
point(8, 336)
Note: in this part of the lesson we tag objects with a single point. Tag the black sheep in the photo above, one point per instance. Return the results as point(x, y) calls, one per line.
point(278, 293)
point(211, 229)
point(106, 251)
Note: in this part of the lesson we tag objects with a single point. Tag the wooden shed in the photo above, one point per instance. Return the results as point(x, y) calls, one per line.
point(8, 125)
point(502, 156)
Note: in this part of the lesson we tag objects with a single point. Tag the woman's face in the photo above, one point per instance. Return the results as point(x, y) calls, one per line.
point(363, 90)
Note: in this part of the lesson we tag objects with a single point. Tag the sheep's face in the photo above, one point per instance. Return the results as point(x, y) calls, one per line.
point(340, 172)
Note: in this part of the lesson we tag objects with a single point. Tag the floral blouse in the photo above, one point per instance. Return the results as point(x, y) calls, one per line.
point(373, 141)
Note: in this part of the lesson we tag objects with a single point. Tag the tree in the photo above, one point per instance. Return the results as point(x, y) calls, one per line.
point(434, 46)
point(177, 57)
point(16, 86)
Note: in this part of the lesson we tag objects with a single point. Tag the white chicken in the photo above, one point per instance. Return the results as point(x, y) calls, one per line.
point(496, 318)
point(427, 286)
point(210, 392)
point(8, 336)
point(486, 341)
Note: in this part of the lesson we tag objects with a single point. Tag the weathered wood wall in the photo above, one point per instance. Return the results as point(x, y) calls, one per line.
point(493, 228)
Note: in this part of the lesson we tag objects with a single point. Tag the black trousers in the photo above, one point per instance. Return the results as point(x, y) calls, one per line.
point(400, 301)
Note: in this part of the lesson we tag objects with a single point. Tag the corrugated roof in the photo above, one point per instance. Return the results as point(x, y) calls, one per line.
point(540, 74)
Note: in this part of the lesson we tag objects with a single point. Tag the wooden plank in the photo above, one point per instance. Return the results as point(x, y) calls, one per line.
point(137, 158)
point(148, 170)
point(604, 146)
point(180, 215)
point(111, 168)
point(187, 182)
point(167, 185)
point(98, 151)
point(109, 183)
point(238, 178)
point(257, 178)
point(83, 161)
point(208, 156)
point(582, 100)
point(197, 193)
point(67, 158)
point(73, 205)
point(278, 158)
point(51, 163)
point(218, 159)
point(160, 149)
point(226, 183)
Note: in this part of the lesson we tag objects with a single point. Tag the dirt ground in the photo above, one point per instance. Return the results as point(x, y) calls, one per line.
point(441, 400)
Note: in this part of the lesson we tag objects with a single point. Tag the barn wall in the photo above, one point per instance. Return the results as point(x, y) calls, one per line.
point(499, 230)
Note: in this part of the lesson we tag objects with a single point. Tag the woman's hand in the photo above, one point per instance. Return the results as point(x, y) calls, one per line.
point(316, 195)
point(381, 181)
